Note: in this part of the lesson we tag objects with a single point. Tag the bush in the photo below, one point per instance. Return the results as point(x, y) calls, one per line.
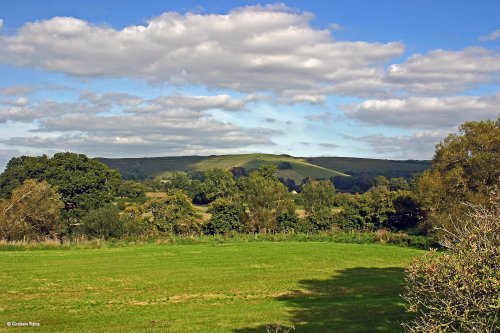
point(226, 216)
point(32, 212)
point(103, 222)
point(173, 214)
point(459, 291)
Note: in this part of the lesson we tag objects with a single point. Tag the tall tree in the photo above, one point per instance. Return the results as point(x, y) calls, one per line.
point(318, 198)
point(265, 198)
point(464, 167)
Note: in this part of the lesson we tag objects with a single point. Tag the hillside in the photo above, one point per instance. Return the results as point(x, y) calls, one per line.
point(163, 166)
point(354, 165)
point(314, 167)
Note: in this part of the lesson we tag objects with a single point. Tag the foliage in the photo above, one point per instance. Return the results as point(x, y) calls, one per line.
point(408, 211)
point(464, 166)
point(84, 184)
point(226, 217)
point(285, 166)
point(460, 290)
point(318, 198)
point(32, 212)
point(173, 214)
point(218, 183)
point(103, 222)
point(265, 199)
point(131, 189)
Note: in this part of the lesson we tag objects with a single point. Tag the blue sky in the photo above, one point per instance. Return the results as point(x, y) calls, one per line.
point(385, 79)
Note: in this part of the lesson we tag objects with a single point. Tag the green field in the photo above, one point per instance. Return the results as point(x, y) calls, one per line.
point(228, 287)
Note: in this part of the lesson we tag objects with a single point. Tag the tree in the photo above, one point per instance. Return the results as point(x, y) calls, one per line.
point(318, 198)
point(226, 216)
point(32, 212)
point(265, 198)
point(459, 291)
point(103, 222)
point(84, 183)
point(173, 214)
point(464, 166)
point(131, 189)
point(218, 183)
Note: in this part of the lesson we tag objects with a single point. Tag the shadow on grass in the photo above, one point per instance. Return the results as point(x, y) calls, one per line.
point(355, 300)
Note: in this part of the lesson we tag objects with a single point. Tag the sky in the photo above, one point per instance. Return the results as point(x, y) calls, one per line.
point(378, 79)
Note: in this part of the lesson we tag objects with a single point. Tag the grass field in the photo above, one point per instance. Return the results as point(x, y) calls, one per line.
point(233, 287)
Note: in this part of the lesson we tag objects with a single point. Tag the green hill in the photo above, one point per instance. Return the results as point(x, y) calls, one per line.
point(298, 167)
point(163, 166)
point(388, 168)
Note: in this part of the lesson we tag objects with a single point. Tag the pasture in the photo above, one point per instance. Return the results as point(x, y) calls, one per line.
point(227, 287)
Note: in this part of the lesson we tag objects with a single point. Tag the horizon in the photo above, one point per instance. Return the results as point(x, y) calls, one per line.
point(121, 79)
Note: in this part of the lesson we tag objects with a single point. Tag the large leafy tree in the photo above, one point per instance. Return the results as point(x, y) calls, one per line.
point(84, 183)
point(218, 183)
point(464, 167)
point(265, 199)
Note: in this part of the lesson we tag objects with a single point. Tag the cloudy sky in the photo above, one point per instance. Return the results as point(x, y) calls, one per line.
point(385, 79)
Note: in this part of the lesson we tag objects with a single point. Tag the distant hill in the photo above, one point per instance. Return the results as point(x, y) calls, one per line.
point(296, 168)
point(370, 166)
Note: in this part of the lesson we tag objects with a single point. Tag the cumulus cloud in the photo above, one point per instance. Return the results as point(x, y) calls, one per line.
point(250, 49)
point(443, 71)
point(425, 112)
point(139, 127)
point(494, 35)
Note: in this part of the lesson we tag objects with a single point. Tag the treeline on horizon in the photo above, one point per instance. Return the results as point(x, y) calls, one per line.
point(70, 195)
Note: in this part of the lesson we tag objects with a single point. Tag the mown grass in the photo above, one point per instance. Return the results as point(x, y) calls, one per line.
point(206, 287)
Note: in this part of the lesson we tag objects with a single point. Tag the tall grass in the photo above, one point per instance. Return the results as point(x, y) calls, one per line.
point(357, 237)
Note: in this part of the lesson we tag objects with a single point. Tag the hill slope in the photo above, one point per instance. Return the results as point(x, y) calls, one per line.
point(163, 166)
point(314, 167)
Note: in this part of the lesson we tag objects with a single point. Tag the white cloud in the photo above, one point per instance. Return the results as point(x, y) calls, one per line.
point(494, 35)
point(250, 49)
point(425, 112)
point(161, 126)
point(443, 71)
point(1, 24)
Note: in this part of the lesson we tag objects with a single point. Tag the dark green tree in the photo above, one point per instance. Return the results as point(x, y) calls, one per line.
point(84, 184)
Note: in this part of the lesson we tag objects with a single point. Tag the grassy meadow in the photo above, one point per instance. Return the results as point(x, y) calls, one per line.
point(227, 287)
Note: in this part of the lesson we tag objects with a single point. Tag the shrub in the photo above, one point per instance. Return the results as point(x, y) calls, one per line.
point(32, 212)
point(226, 216)
point(459, 291)
point(173, 214)
point(289, 221)
point(103, 222)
